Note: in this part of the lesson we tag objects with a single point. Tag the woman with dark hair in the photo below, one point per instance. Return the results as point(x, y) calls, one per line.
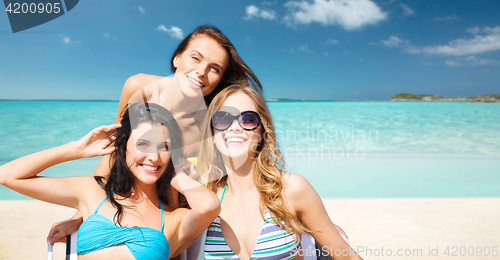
point(129, 213)
point(236, 68)
point(204, 63)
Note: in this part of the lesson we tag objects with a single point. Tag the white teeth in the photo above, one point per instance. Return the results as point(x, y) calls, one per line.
point(195, 82)
point(149, 168)
point(235, 140)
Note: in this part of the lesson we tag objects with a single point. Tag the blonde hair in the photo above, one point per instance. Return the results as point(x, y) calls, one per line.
point(267, 165)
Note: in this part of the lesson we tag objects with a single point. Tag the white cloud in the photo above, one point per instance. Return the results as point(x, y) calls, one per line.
point(332, 41)
point(394, 41)
point(452, 63)
point(253, 11)
point(485, 40)
point(248, 39)
point(472, 61)
point(448, 18)
point(302, 48)
point(326, 54)
point(268, 14)
point(475, 61)
point(142, 10)
point(474, 30)
point(67, 40)
point(269, 3)
point(174, 31)
point(350, 14)
point(486, 71)
point(107, 36)
point(407, 10)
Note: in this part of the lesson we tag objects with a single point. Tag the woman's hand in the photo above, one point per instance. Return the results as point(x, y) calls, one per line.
point(60, 230)
point(184, 168)
point(97, 141)
point(204, 204)
point(20, 175)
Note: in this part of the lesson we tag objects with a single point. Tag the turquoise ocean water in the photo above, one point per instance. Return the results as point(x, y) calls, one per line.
point(345, 149)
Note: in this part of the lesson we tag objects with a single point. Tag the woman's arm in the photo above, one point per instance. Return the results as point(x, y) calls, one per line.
point(20, 174)
point(60, 230)
point(311, 211)
point(204, 205)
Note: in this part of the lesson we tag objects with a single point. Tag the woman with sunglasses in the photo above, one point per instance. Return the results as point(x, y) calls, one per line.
point(204, 63)
point(264, 210)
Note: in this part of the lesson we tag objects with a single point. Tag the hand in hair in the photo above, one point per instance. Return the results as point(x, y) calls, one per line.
point(97, 141)
point(187, 169)
point(20, 175)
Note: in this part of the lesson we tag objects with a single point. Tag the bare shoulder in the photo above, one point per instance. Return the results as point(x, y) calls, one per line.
point(132, 86)
point(299, 193)
point(138, 81)
point(295, 182)
point(89, 185)
point(296, 185)
point(177, 215)
point(181, 211)
point(92, 194)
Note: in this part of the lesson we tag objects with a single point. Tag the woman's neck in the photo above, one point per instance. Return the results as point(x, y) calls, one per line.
point(240, 180)
point(145, 192)
point(178, 103)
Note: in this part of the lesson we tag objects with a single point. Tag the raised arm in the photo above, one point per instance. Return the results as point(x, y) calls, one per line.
point(310, 209)
point(60, 230)
point(20, 174)
point(204, 205)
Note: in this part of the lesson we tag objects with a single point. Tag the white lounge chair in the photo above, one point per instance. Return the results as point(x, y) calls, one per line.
point(70, 248)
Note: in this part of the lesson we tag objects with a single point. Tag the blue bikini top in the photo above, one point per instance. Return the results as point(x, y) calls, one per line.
point(98, 232)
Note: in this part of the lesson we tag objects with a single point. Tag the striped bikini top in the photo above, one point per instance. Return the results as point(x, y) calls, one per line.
point(98, 232)
point(273, 244)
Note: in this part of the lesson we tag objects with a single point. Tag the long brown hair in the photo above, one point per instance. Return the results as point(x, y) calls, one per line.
point(267, 165)
point(236, 69)
point(121, 180)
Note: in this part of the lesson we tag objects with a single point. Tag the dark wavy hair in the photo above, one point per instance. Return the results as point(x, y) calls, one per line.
point(236, 69)
point(121, 180)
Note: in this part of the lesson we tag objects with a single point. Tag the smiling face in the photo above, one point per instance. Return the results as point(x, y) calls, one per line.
point(202, 64)
point(236, 143)
point(147, 152)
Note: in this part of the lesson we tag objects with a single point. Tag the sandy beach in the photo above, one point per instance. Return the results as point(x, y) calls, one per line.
point(377, 228)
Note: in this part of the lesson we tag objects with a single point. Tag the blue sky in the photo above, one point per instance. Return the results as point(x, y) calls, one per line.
point(314, 49)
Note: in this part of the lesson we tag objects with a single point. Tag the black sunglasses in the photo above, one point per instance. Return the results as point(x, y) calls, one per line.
point(248, 120)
